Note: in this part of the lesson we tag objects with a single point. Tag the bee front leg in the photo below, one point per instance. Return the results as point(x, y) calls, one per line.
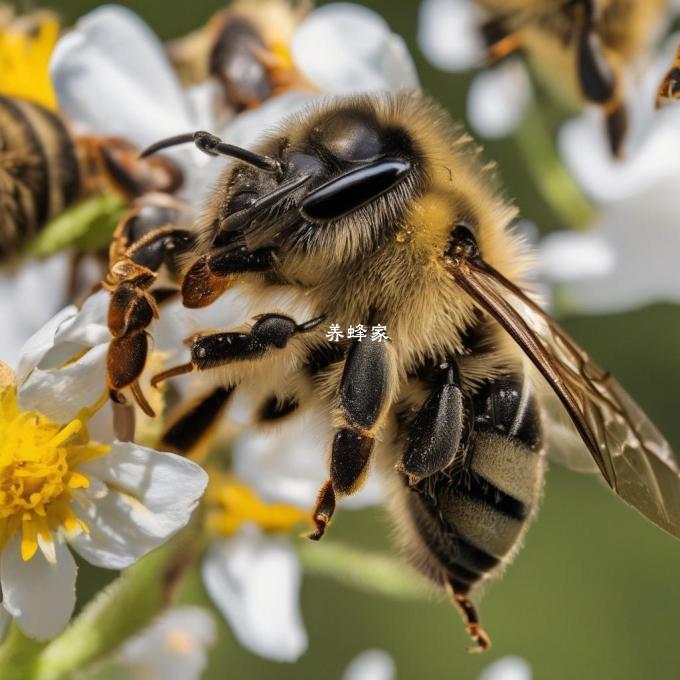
point(436, 433)
point(270, 331)
point(365, 395)
point(136, 258)
point(211, 275)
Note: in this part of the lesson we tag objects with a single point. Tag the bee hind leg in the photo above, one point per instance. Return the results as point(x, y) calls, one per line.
point(470, 616)
point(437, 431)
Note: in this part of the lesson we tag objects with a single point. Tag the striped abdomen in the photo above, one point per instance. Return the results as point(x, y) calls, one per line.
point(470, 521)
point(39, 171)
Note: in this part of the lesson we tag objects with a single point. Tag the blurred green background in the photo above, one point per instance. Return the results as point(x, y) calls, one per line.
point(595, 593)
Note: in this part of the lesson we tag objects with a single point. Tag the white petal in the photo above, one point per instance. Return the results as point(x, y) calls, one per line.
point(373, 664)
point(507, 668)
point(89, 327)
point(29, 297)
point(568, 256)
point(111, 75)
point(248, 127)
point(289, 464)
point(39, 595)
point(344, 48)
point(59, 394)
point(173, 647)
point(37, 346)
point(449, 35)
point(5, 620)
point(627, 260)
point(65, 335)
point(151, 496)
point(255, 582)
point(498, 99)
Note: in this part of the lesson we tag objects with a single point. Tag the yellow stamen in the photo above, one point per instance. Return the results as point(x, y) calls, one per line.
point(234, 504)
point(25, 49)
point(38, 475)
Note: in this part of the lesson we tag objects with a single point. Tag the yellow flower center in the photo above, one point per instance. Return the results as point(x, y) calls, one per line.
point(38, 474)
point(234, 504)
point(25, 51)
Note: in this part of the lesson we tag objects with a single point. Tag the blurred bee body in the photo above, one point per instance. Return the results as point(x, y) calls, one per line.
point(581, 48)
point(670, 85)
point(40, 171)
point(245, 48)
point(377, 210)
point(44, 168)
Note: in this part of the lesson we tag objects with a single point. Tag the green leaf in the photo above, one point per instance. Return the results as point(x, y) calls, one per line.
point(86, 226)
point(368, 571)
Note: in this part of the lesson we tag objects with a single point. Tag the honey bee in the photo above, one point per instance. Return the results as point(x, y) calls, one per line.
point(378, 210)
point(245, 49)
point(45, 167)
point(581, 47)
point(670, 85)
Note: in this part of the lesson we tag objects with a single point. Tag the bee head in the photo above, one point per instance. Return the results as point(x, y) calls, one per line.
point(344, 183)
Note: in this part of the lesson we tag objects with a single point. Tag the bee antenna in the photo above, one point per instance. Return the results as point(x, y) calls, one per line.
point(214, 146)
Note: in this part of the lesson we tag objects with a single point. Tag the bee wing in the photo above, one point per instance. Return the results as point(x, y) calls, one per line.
point(632, 455)
point(563, 444)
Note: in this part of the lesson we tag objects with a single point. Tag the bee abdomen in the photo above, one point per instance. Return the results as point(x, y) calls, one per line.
point(39, 170)
point(472, 520)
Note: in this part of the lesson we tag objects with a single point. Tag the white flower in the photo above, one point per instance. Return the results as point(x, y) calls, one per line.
point(449, 36)
point(289, 464)
point(109, 501)
point(173, 647)
point(507, 668)
point(628, 257)
point(373, 664)
point(112, 75)
point(345, 48)
point(101, 86)
point(29, 297)
point(254, 580)
point(113, 78)
point(498, 99)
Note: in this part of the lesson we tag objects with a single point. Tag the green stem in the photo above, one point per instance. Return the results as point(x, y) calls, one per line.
point(18, 654)
point(552, 179)
point(367, 571)
point(120, 611)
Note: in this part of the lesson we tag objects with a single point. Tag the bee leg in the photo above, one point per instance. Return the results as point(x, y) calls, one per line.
point(670, 86)
point(270, 331)
point(470, 617)
point(437, 430)
point(500, 40)
point(192, 427)
point(132, 307)
point(125, 362)
point(600, 81)
point(211, 275)
point(364, 398)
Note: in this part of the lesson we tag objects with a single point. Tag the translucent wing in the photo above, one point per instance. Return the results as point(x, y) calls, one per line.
point(563, 443)
point(632, 455)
